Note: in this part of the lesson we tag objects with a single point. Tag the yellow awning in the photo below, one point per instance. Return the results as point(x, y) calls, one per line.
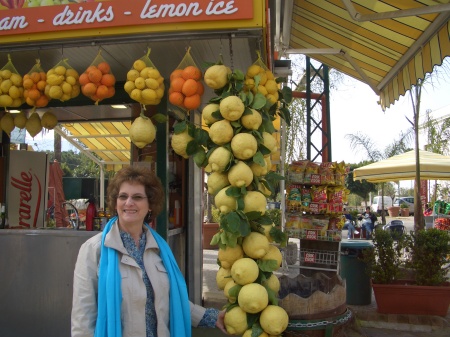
point(433, 166)
point(387, 44)
point(108, 140)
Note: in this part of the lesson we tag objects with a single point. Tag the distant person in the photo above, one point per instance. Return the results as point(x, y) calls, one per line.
point(349, 224)
point(368, 222)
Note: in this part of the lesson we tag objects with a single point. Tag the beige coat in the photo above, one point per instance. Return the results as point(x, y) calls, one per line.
point(84, 307)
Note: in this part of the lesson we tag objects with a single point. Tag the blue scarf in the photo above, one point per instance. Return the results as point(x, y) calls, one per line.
point(110, 292)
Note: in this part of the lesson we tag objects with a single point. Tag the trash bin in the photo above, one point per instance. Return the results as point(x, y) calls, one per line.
point(353, 270)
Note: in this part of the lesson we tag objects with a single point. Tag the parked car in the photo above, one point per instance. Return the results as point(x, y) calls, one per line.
point(408, 201)
point(376, 206)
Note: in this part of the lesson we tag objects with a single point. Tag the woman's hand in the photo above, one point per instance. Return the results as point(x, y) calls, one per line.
point(220, 322)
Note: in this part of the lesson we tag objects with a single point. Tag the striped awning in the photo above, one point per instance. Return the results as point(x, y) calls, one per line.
point(388, 44)
point(106, 142)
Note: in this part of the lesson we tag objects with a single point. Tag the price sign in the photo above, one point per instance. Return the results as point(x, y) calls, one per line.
point(315, 178)
point(310, 257)
point(311, 235)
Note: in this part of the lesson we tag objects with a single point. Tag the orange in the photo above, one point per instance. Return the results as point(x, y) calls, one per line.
point(192, 102)
point(191, 72)
point(30, 102)
point(102, 91)
point(28, 83)
point(89, 89)
point(90, 68)
point(43, 75)
point(84, 79)
point(36, 77)
point(176, 73)
point(104, 67)
point(108, 79)
point(176, 98)
point(41, 85)
point(34, 94)
point(200, 88)
point(95, 75)
point(189, 87)
point(111, 92)
point(42, 101)
point(177, 84)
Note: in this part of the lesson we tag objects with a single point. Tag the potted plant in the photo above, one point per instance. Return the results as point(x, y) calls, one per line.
point(404, 210)
point(408, 273)
point(393, 211)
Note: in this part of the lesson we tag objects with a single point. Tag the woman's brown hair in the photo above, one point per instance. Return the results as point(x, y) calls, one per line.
point(138, 175)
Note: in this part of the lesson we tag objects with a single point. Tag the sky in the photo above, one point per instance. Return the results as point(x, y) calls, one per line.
point(354, 108)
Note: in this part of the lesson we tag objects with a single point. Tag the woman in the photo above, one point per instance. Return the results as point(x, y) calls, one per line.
point(126, 281)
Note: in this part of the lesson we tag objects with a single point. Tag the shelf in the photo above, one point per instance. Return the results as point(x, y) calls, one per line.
point(314, 234)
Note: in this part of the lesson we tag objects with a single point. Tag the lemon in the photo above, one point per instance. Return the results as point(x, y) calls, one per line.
point(6, 73)
point(219, 159)
point(16, 79)
point(244, 271)
point(272, 98)
point(208, 111)
point(262, 89)
point(136, 94)
point(6, 100)
point(149, 95)
point(55, 92)
point(154, 73)
point(252, 121)
point(142, 131)
point(273, 254)
point(269, 75)
point(274, 319)
point(235, 321)
point(14, 92)
point(229, 255)
point(7, 123)
point(48, 120)
point(5, 85)
point(270, 142)
point(231, 108)
point(180, 141)
point(240, 174)
point(253, 70)
point(216, 76)
point(273, 283)
point(129, 86)
point(132, 75)
point(253, 298)
point(263, 77)
point(255, 245)
point(267, 229)
point(222, 277)
point(248, 333)
point(249, 84)
point(255, 201)
point(33, 124)
point(230, 284)
point(60, 70)
point(139, 65)
point(271, 86)
point(216, 181)
point(139, 83)
point(20, 120)
point(55, 79)
point(66, 87)
point(259, 170)
point(244, 146)
point(70, 72)
point(221, 132)
point(144, 72)
point(223, 202)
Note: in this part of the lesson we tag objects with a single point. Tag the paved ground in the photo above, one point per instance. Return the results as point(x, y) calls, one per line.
point(366, 323)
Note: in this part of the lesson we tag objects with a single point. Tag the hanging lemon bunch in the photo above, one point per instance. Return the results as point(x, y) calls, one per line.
point(235, 147)
point(62, 82)
point(11, 86)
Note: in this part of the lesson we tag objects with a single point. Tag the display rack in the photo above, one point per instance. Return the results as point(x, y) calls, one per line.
point(312, 224)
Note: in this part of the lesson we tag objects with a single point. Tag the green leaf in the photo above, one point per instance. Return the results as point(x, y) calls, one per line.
point(217, 115)
point(200, 158)
point(273, 176)
point(234, 291)
point(258, 158)
point(281, 80)
point(240, 203)
point(233, 221)
point(233, 191)
point(180, 127)
point(236, 125)
point(257, 330)
point(285, 114)
point(267, 265)
point(267, 126)
point(191, 147)
point(160, 118)
point(215, 239)
point(264, 150)
point(278, 236)
point(273, 299)
point(287, 94)
point(259, 102)
point(257, 135)
point(257, 79)
point(264, 220)
point(244, 227)
point(247, 111)
point(253, 215)
point(239, 75)
point(201, 136)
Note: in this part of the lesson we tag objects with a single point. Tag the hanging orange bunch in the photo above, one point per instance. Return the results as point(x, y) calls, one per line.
point(34, 86)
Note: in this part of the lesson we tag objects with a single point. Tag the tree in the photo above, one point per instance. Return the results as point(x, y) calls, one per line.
point(360, 188)
point(364, 142)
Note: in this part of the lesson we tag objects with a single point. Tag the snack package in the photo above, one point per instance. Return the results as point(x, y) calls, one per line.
point(186, 89)
point(11, 86)
point(311, 173)
point(97, 82)
point(296, 171)
point(294, 200)
point(327, 173)
point(62, 82)
point(319, 194)
point(321, 224)
point(341, 170)
point(34, 83)
point(144, 82)
point(293, 220)
point(259, 79)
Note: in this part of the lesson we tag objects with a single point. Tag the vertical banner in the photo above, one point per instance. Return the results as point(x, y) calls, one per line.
point(424, 192)
point(27, 186)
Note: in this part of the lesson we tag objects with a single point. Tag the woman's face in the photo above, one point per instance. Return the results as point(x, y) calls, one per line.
point(132, 204)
